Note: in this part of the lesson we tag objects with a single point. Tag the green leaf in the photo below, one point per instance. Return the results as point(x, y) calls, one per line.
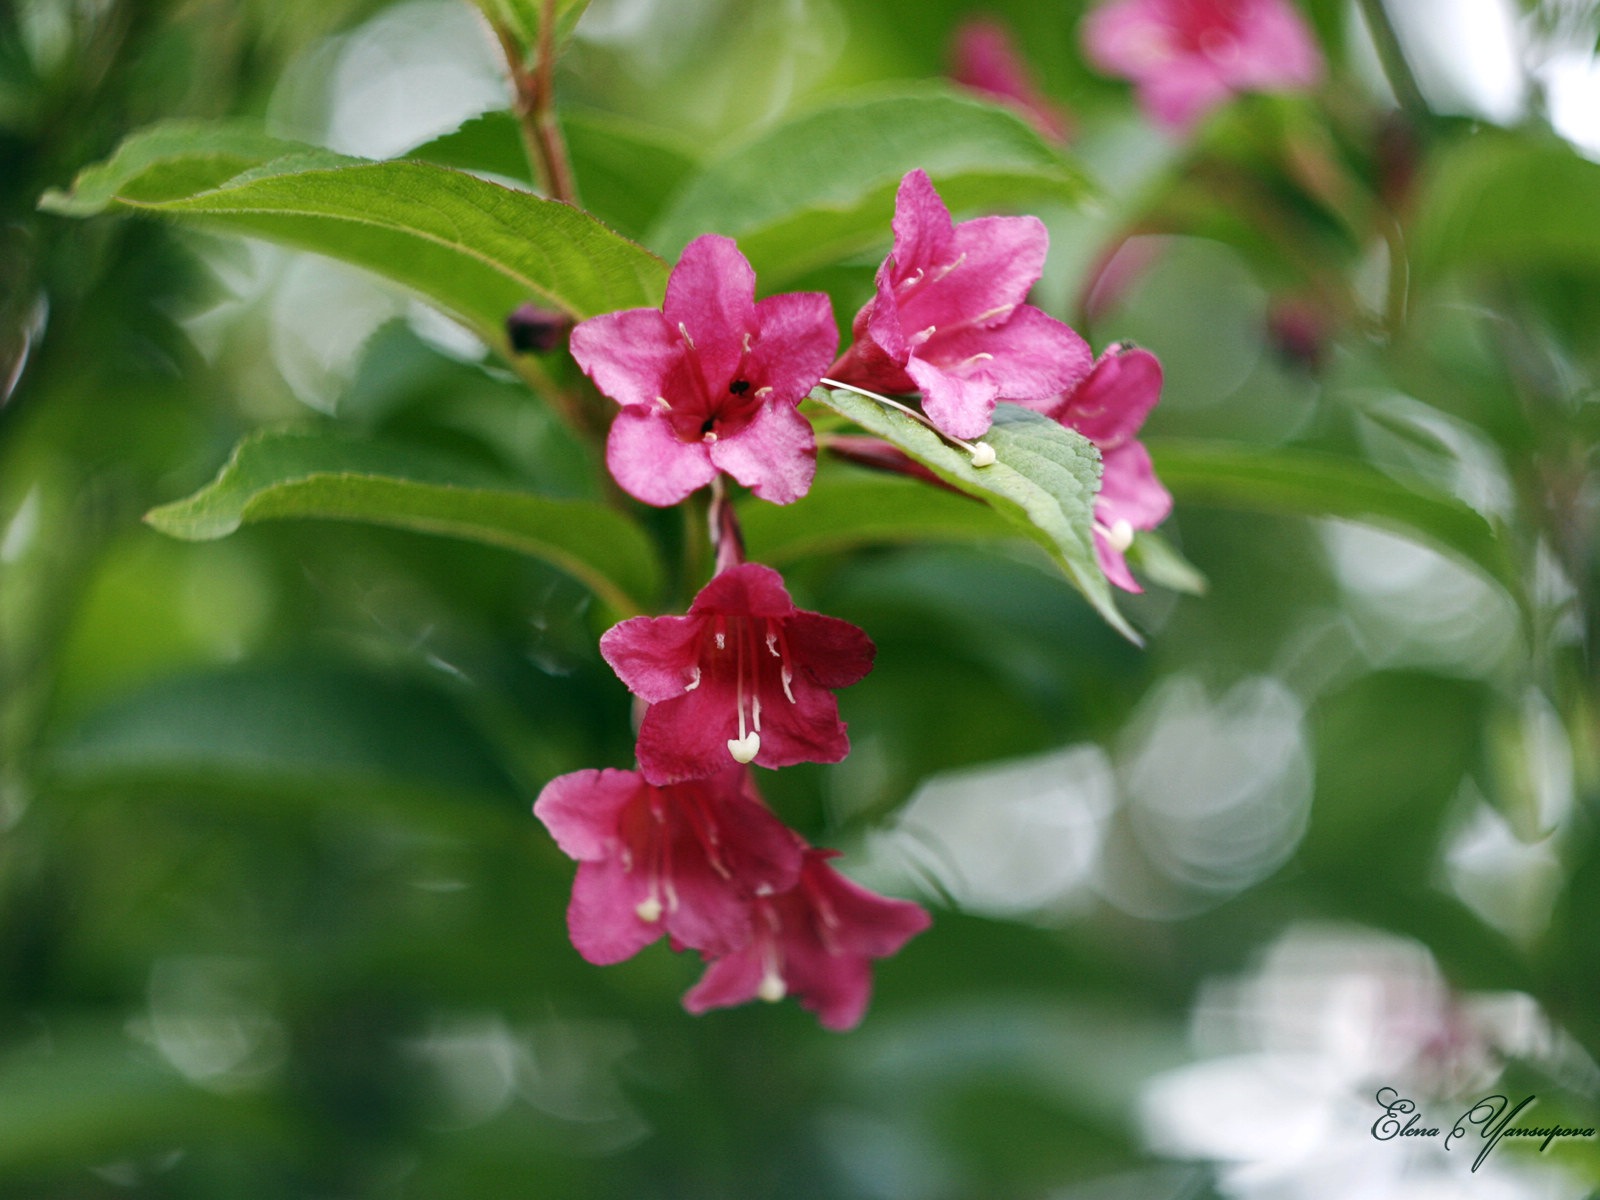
point(1322, 485)
point(1155, 558)
point(473, 247)
point(1043, 481)
point(277, 474)
point(1503, 201)
point(625, 170)
point(95, 1094)
point(294, 728)
point(821, 186)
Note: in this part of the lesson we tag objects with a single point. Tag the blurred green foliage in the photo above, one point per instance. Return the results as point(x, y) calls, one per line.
point(274, 919)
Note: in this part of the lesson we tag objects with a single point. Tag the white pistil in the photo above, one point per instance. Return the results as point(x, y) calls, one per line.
point(745, 748)
point(684, 329)
point(710, 436)
point(694, 682)
point(772, 988)
point(982, 453)
point(649, 910)
point(1122, 535)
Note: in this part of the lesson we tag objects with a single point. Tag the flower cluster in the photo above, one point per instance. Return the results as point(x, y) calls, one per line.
point(710, 385)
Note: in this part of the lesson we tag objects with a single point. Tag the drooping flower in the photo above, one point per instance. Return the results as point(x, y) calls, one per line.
point(710, 381)
point(745, 676)
point(1108, 407)
point(685, 860)
point(1186, 57)
point(984, 59)
point(949, 320)
point(815, 942)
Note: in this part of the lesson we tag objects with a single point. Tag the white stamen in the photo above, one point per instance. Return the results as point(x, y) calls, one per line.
point(787, 676)
point(772, 987)
point(744, 749)
point(662, 400)
point(672, 895)
point(755, 712)
point(945, 270)
point(1120, 535)
point(747, 343)
point(981, 356)
point(993, 312)
point(923, 335)
point(693, 683)
point(722, 640)
point(684, 329)
point(982, 454)
point(772, 645)
point(649, 910)
point(763, 391)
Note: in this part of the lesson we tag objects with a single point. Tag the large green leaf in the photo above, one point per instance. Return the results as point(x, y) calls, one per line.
point(289, 727)
point(1321, 485)
point(1043, 481)
point(625, 170)
point(1506, 202)
point(821, 186)
point(848, 509)
point(277, 474)
point(473, 247)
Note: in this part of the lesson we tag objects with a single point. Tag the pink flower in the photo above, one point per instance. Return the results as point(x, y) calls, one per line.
point(710, 381)
point(685, 860)
point(815, 942)
point(949, 320)
point(985, 60)
point(1108, 407)
point(744, 676)
point(1186, 57)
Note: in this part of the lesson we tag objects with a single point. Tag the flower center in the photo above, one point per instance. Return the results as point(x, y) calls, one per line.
point(748, 649)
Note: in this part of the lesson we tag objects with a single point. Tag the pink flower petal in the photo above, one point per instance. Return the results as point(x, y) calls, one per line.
point(654, 656)
point(775, 455)
point(712, 294)
point(1129, 489)
point(648, 459)
point(629, 354)
point(1110, 404)
point(798, 340)
point(580, 809)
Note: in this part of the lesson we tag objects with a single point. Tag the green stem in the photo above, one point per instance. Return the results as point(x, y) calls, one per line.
point(1393, 58)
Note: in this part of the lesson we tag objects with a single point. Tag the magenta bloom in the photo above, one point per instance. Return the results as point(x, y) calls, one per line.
point(744, 676)
point(710, 381)
point(1186, 57)
point(1108, 407)
point(685, 860)
point(949, 320)
point(815, 942)
point(984, 59)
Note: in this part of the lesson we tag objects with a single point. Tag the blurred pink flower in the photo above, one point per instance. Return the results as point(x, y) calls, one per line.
point(949, 320)
point(685, 860)
point(1186, 57)
point(1108, 407)
point(745, 676)
point(710, 381)
point(984, 59)
point(816, 942)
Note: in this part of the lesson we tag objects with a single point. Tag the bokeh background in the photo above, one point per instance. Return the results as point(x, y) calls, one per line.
point(275, 919)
